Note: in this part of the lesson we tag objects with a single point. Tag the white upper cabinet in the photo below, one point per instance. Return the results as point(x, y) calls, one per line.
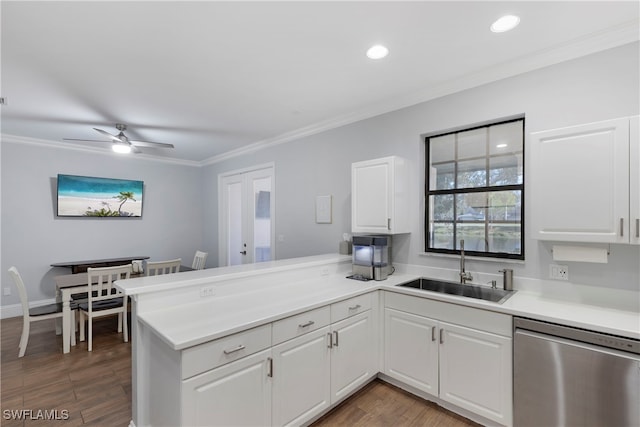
point(584, 187)
point(379, 196)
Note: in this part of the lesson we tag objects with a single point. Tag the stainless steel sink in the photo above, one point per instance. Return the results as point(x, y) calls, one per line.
point(471, 291)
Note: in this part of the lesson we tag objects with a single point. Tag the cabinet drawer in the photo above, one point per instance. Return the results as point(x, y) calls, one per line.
point(203, 357)
point(343, 309)
point(300, 324)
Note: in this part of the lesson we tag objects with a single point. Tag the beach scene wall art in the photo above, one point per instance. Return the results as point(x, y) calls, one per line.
point(87, 196)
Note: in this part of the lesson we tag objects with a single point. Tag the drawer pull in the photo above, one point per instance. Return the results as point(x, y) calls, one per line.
point(355, 307)
point(304, 325)
point(238, 348)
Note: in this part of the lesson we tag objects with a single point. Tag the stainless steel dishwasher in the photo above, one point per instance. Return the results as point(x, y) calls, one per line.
point(564, 376)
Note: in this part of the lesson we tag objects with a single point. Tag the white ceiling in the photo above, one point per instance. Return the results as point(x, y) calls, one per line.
point(220, 78)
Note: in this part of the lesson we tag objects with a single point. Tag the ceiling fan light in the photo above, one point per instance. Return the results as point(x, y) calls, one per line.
point(121, 148)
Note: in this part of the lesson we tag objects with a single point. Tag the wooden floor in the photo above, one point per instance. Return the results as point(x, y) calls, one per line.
point(94, 388)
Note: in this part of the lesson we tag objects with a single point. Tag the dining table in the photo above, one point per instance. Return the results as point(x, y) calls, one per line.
point(78, 283)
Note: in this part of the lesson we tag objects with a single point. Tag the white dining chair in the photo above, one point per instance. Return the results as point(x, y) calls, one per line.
point(199, 260)
point(42, 312)
point(104, 299)
point(156, 268)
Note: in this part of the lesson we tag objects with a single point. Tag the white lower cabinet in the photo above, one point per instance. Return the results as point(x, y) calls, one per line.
point(236, 394)
point(353, 354)
point(301, 382)
point(467, 363)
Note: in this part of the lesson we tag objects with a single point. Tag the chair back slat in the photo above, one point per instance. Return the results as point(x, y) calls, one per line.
point(199, 260)
point(156, 268)
point(103, 279)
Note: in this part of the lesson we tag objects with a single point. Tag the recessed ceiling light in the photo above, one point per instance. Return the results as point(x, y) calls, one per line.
point(505, 23)
point(377, 52)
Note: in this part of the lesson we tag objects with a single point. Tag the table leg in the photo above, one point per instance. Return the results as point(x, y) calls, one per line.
point(66, 321)
point(58, 320)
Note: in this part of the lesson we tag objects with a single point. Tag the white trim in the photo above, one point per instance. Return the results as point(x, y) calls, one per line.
point(15, 310)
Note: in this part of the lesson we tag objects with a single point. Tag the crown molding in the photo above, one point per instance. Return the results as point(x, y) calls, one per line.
point(44, 143)
point(626, 33)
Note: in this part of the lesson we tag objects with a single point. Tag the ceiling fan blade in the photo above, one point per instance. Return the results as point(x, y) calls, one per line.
point(151, 144)
point(87, 140)
point(108, 135)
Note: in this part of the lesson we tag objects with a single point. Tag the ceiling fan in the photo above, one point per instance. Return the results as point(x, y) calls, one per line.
point(120, 142)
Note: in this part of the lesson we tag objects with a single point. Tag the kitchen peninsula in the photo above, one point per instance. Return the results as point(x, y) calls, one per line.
point(212, 345)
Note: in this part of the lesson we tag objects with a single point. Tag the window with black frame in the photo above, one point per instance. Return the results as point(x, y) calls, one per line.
point(475, 190)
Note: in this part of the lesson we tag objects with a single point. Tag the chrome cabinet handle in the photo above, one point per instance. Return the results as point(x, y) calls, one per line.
point(433, 333)
point(335, 342)
point(388, 223)
point(355, 307)
point(637, 227)
point(330, 345)
point(270, 367)
point(304, 325)
point(441, 336)
point(621, 227)
point(238, 348)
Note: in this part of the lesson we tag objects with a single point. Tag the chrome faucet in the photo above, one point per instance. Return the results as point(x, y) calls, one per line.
point(464, 275)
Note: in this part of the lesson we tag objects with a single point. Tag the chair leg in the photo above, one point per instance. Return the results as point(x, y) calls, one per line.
point(119, 322)
point(124, 315)
point(73, 328)
point(81, 321)
point(25, 336)
point(90, 326)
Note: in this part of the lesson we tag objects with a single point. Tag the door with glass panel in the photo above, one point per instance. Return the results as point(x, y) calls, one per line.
point(247, 223)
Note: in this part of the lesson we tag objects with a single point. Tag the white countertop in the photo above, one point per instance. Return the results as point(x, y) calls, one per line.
point(188, 324)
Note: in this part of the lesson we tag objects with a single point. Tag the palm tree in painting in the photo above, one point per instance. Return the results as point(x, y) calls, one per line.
point(123, 197)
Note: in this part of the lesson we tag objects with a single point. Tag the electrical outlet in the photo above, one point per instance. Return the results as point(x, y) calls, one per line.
point(7, 291)
point(207, 291)
point(558, 272)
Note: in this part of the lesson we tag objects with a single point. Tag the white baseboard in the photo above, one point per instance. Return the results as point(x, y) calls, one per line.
point(15, 310)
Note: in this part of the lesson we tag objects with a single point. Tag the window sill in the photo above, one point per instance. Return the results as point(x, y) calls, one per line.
point(474, 258)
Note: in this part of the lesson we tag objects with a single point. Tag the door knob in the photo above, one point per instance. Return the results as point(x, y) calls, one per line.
point(243, 252)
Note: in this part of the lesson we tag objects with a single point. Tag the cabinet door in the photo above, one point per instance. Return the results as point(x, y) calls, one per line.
point(411, 349)
point(236, 394)
point(580, 183)
point(475, 371)
point(301, 387)
point(353, 354)
point(634, 164)
point(379, 196)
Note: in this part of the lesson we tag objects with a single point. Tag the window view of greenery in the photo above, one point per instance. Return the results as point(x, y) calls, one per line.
point(475, 184)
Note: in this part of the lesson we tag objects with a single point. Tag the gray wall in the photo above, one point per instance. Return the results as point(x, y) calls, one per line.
point(592, 88)
point(33, 237)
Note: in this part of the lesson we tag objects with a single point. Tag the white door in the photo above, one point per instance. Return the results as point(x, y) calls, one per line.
point(411, 349)
point(301, 388)
point(476, 371)
point(236, 394)
point(247, 223)
point(353, 354)
point(634, 193)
